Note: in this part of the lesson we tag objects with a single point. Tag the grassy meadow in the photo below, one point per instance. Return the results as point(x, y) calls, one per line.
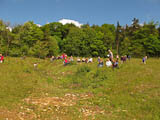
point(79, 91)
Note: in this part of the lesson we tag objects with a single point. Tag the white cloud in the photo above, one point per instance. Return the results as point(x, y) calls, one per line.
point(38, 25)
point(141, 24)
point(68, 21)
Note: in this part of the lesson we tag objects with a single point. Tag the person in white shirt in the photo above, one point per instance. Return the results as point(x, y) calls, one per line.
point(90, 60)
point(108, 63)
point(110, 55)
point(83, 59)
point(78, 59)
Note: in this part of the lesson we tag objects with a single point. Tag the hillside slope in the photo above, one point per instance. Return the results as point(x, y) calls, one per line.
point(79, 91)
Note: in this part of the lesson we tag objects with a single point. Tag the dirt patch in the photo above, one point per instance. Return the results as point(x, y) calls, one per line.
point(49, 107)
point(91, 111)
point(141, 88)
point(8, 115)
point(53, 101)
point(86, 96)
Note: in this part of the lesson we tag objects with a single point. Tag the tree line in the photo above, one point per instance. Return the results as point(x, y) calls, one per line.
point(54, 38)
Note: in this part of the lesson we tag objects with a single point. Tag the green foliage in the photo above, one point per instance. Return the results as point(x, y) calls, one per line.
point(54, 38)
point(145, 41)
point(53, 46)
point(86, 77)
point(39, 49)
point(83, 69)
point(72, 44)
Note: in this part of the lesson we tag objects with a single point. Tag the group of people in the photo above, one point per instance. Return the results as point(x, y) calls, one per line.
point(86, 60)
point(66, 59)
point(110, 61)
point(63, 56)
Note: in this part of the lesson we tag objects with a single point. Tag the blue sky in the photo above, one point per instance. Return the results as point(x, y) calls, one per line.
point(84, 11)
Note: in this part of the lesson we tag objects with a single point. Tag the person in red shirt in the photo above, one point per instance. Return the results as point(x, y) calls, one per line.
point(66, 62)
point(64, 56)
point(1, 58)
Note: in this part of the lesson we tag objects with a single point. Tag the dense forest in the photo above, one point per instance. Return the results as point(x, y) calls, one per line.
point(54, 38)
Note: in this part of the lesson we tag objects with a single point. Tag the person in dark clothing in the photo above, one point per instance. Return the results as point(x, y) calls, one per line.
point(100, 63)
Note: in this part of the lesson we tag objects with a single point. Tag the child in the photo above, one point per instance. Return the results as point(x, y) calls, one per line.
point(86, 60)
point(108, 63)
point(90, 60)
point(52, 58)
point(63, 56)
point(78, 59)
point(83, 59)
point(144, 60)
point(100, 63)
point(99, 59)
point(66, 62)
point(123, 59)
point(129, 57)
point(117, 57)
point(71, 59)
point(115, 64)
point(1, 58)
point(35, 65)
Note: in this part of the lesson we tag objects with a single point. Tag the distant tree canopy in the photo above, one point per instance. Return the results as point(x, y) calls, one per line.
point(54, 38)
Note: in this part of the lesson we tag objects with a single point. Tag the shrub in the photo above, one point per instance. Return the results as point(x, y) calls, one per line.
point(27, 70)
point(83, 69)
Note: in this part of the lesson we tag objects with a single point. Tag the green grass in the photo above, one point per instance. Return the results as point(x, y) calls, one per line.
point(79, 91)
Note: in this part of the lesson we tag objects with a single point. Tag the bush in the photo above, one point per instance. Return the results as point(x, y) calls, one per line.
point(100, 74)
point(27, 70)
point(87, 78)
point(83, 69)
point(73, 63)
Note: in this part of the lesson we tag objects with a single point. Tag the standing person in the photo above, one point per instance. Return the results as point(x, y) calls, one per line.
point(110, 55)
point(117, 57)
point(99, 59)
point(129, 57)
point(122, 59)
point(1, 58)
point(144, 60)
point(125, 58)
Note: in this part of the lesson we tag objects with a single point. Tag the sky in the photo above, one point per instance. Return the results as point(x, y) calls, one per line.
point(85, 11)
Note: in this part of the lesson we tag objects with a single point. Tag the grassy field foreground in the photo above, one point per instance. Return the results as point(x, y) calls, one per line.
point(79, 91)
